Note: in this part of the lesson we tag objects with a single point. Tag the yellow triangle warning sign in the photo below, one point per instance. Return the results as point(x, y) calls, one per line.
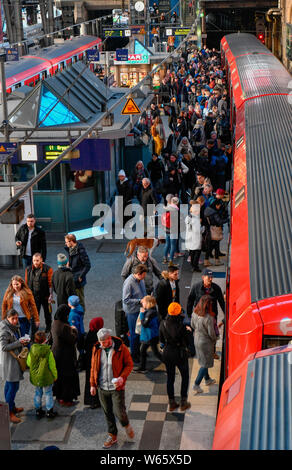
point(130, 107)
point(2, 148)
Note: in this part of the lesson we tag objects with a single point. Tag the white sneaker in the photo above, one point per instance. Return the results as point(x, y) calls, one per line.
point(197, 389)
point(210, 381)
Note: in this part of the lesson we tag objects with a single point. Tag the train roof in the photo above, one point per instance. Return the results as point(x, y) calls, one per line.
point(240, 43)
point(267, 410)
point(268, 123)
point(42, 56)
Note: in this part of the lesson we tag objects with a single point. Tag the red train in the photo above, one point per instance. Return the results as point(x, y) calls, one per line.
point(30, 69)
point(258, 291)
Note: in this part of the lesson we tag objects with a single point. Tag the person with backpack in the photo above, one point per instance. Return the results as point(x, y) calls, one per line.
point(43, 373)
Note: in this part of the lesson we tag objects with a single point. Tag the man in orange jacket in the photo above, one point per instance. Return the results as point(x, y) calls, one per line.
point(111, 365)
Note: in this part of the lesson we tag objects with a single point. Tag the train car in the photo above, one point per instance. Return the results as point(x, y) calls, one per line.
point(30, 69)
point(259, 282)
point(255, 411)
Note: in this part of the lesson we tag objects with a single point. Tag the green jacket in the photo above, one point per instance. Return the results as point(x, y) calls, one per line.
point(43, 371)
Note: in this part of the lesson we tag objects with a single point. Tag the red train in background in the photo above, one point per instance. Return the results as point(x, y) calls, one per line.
point(259, 282)
point(30, 69)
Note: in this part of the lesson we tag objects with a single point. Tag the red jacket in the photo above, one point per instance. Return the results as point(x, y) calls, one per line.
point(122, 362)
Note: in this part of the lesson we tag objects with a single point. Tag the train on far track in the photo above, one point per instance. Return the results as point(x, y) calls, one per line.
point(258, 282)
point(31, 69)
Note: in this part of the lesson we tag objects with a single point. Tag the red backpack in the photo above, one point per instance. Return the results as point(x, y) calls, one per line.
point(165, 219)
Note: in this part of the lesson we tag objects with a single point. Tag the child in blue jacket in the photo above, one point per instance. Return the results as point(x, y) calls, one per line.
point(149, 335)
point(76, 319)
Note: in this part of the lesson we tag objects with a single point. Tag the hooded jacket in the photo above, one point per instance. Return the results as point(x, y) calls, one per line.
point(42, 365)
point(122, 363)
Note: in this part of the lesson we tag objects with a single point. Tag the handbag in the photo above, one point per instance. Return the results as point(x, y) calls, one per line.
point(21, 358)
point(216, 233)
point(138, 326)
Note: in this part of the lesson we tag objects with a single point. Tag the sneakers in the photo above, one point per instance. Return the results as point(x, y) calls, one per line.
point(129, 431)
point(197, 389)
point(185, 405)
point(13, 418)
point(218, 262)
point(51, 414)
point(173, 405)
point(164, 261)
point(40, 413)
point(210, 381)
point(110, 441)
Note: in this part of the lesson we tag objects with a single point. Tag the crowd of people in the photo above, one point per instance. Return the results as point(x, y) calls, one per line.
point(191, 166)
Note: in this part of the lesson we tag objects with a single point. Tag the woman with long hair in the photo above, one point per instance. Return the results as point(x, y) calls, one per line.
point(203, 325)
point(19, 297)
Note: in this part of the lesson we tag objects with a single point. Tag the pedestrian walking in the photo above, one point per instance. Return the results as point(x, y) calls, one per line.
point(125, 190)
point(42, 374)
point(134, 291)
point(167, 290)
point(90, 340)
point(10, 371)
point(38, 277)
point(30, 239)
point(64, 339)
point(149, 335)
point(193, 239)
point(203, 325)
point(173, 335)
point(142, 257)
point(19, 297)
point(63, 281)
point(79, 263)
point(110, 367)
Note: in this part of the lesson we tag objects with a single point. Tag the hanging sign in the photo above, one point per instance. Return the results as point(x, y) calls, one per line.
point(130, 108)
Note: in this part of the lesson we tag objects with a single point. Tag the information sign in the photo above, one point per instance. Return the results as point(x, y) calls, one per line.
point(122, 55)
point(92, 55)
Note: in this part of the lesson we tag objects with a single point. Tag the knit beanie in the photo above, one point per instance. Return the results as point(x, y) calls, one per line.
point(73, 300)
point(62, 259)
point(174, 308)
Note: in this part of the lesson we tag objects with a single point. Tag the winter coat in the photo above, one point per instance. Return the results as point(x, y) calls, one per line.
point(149, 325)
point(155, 169)
point(76, 319)
point(63, 285)
point(42, 365)
point(45, 281)
point(151, 265)
point(147, 198)
point(164, 295)
point(193, 238)
point(205, 339)
point(27, 304)
point(64, 347)
point(133, 292)
point(38, 240)
point(198, 290)
point(9, 341)
point(79, 263)
point(125, 190)
point(122, 363)
point(174, 336)
point(215, 217)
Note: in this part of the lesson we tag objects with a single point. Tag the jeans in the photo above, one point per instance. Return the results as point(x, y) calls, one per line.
point(134, 338)
point(24, 325)
point(113, 403)
point(183, 367)
point(203, 372)
point(170, 247)
point(39, 395)
point(10, 391)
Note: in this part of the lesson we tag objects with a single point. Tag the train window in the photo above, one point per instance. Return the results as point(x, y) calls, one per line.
point(232, 392)
point(275, 341)
point(239, 196)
